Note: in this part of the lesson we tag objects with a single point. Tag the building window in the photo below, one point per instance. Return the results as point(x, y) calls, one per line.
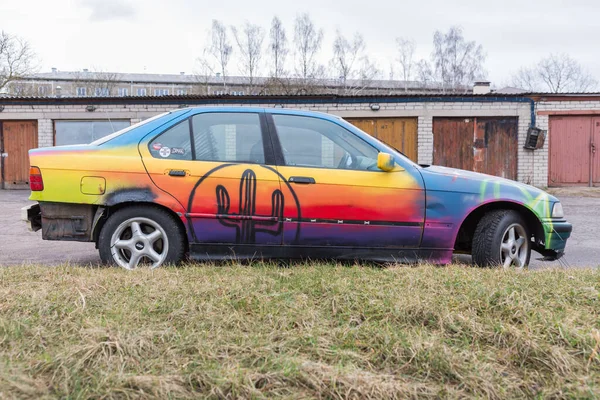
point(219, 92)
point(141, 91)
point(161, 92)
point(123, 92)
point(101, 92)
point(84, 132)
point(81, 91)
point(181, 91)
point(42, 90)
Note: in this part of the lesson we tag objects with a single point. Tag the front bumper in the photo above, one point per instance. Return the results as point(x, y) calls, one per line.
point(557, 232)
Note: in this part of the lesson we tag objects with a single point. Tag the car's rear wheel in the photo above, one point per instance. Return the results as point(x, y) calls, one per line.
point(502, 239)
point(141, 236)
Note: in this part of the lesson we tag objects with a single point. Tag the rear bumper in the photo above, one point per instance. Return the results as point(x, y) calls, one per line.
point(557, 234)
point(62, 221)
point(32, 215)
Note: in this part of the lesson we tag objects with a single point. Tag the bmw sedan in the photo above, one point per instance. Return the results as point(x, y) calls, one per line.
point(248, 183)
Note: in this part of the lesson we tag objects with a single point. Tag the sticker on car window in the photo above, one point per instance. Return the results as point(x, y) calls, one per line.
point(165, 152)
point(178, 151)
point(157, 146)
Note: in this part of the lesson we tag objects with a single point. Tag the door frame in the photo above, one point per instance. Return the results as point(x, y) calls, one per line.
point(595, 152)
point(1, 152)
point(593, 118)
point(3, 146)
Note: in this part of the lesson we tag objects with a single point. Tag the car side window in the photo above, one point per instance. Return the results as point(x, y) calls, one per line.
point(228, 137)
point(174, 143)
point(315, 142)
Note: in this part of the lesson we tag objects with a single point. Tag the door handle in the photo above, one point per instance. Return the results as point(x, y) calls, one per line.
point(177, 172)
point(302, 180)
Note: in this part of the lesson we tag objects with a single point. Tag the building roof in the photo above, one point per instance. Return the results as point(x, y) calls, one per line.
point(260, 99)
point(187, 79)
point(510, 90)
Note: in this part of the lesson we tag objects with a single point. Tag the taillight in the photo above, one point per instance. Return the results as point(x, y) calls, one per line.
point(36, 183)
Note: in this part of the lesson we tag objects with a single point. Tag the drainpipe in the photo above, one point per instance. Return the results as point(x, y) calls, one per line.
point(532, 105)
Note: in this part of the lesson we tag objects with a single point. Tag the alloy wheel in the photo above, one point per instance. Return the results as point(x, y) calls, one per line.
point(139, 241)
point(515, 247)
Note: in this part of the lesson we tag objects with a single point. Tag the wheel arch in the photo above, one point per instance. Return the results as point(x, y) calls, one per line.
point(107, 211)
point(467, 228)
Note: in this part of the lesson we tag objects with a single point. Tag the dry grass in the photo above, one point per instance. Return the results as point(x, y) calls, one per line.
point(311, 331)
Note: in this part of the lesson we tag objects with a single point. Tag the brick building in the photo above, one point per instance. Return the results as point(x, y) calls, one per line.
point(482, 132)
point(104, 84)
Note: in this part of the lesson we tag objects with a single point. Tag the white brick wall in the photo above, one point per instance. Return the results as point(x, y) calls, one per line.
point(532, 166)
point(45, 133)
point(230, 143)
point(425, 139)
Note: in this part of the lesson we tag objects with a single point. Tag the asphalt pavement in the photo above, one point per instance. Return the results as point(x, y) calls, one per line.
point(20, 246)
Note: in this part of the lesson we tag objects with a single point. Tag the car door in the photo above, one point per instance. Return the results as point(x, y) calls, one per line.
point(342, 198)
point(216, 165)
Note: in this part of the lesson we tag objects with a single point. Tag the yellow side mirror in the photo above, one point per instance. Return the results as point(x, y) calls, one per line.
point(385, 162)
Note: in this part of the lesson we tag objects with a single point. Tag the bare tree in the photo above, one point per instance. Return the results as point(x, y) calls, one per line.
point(307, 42)
point(96, 82)
point(350, 63)
point(203, 72)
point(526, 78)
point(278, 48)
point(406, 53)
point(457, 62)
point(424, 73)
point(220, 48)
point(556, 73)
point(250, 45)
point(16, 58)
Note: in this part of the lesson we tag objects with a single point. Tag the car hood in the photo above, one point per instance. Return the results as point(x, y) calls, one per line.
point(488, 187)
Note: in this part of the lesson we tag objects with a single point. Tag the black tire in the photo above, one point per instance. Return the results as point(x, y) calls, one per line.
point(176, 247)
point(490, 234)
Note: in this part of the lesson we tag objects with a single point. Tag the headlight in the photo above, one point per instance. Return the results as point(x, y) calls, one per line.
point(557, 210)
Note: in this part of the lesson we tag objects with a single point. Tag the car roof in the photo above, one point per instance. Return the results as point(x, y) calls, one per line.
point(270, 110)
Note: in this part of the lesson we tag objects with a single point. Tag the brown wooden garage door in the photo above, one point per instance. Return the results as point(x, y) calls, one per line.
point(574, 151)
point(486, 145)
point(16, 138)
point(399, 133)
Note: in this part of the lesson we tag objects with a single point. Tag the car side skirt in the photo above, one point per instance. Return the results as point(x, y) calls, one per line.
point(214, 252)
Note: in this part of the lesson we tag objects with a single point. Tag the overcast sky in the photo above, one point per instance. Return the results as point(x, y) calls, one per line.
point(160, 36)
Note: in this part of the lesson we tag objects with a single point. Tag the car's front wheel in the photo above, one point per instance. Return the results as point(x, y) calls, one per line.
point(141, 236)
point(502, 239)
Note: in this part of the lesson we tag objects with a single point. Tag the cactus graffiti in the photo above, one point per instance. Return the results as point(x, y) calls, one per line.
point(247, 222)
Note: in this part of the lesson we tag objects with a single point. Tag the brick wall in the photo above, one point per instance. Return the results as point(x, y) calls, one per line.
point(532, 166)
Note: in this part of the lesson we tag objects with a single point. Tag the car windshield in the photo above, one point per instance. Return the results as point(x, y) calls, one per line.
point(122, 131)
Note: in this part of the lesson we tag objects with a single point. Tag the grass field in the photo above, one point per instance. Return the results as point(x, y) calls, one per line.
point(313, 330)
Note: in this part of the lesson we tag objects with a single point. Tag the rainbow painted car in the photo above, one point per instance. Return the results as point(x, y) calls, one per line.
point(247, 183)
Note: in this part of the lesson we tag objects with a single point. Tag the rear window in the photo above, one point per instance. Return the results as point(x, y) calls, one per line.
point(122, 131)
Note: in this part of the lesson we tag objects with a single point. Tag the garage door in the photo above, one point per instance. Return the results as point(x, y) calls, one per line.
point(574, 151)
point(399, 133)
point(486, 145)
point(16, 138)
